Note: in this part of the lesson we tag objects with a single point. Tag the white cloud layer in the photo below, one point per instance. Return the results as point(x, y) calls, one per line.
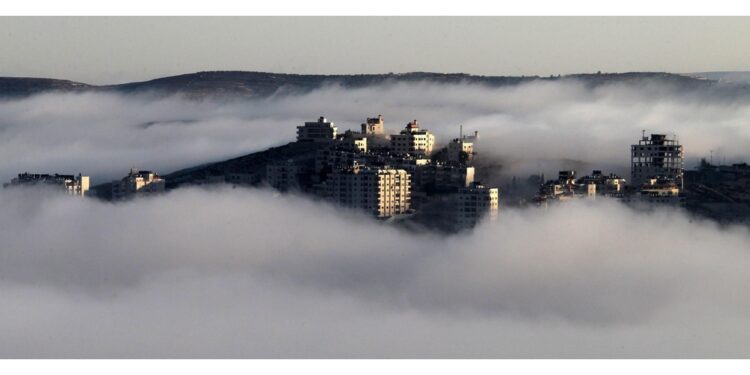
point(247, 273)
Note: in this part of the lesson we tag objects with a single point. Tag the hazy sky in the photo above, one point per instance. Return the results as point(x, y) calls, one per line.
point(113, 50)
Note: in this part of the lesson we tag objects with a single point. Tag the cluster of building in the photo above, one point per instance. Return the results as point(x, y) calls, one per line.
point(137, 183)
point(70, 184)
point(394, 175)
point(387, 175)
point(656, 176)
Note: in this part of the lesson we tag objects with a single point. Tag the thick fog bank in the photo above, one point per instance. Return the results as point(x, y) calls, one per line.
point(249, 273)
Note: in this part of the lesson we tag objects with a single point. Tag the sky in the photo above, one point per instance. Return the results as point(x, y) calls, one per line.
point(106, 50)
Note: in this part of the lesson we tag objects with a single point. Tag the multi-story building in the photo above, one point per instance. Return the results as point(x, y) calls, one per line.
point(442, 178)
point(610, 185)
point(334, 158)
point(566, 188)
point(460, 150)
point(318, 131)
point(138, 183)
point(283, 176)
point(660, 190)
point(382, 191)
point(413, 140)
point(374, 126)
point(475, 203)
point(355, 141)
point(71, 184)
point(654, 157)
point(244, 178)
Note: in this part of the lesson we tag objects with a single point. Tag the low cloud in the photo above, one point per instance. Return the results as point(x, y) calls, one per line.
point(530, 127)
point(248, 273)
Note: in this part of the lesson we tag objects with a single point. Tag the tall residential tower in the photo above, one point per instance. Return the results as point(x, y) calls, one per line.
point(658, 156)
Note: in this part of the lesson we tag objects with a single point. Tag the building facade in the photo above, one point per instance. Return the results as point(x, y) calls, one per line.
point(475, 203)
point(567, 187)
point(381, 191)
point(374, 126)
point(283, 176)
point(317, 131)
point(656, 156)
point(138, 183)
point(660, 191)
point(413, 141)
point(71, 184)
point(607, 185)
point(442, 178)
point(460, 150)
point(355, 141)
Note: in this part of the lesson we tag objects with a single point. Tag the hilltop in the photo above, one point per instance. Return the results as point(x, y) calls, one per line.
point(262, 85)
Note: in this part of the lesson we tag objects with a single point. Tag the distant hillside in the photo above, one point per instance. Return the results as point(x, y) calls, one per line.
point(261, 85)
point(725, 77)
point(15, 87)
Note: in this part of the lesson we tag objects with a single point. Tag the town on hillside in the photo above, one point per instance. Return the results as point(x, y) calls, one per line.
point(409, 178)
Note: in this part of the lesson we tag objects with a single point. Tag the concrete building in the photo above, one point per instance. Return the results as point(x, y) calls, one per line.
point(71, 184)
point(355, 141)
point(382, 191)
point(475, 203)
point(442, 178)
point(318, 131)
point(335, 158)
point(243, 178)
point(413, 140)
point(461, 149)
point(283, 176)
point(374, 126)
point(565, 188)
point(661, 191)
point(137, 183)
point(610, 185)
point(654, 157)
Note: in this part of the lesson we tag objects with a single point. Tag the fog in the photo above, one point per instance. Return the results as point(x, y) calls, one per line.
point(241, 272)
point(248, 273)
point(530, 127)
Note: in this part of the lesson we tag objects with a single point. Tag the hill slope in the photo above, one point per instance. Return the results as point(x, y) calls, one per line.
point(261, 85)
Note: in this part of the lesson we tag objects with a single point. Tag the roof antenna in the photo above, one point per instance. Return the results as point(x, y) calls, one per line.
point(461, 132)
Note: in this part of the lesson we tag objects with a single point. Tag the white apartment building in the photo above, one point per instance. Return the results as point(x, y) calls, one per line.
point(137, 183)
point(71, 184)
point(475, 203)
point(657, 156)
point(413, 140)
point(318, 131)
point(382, 191)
